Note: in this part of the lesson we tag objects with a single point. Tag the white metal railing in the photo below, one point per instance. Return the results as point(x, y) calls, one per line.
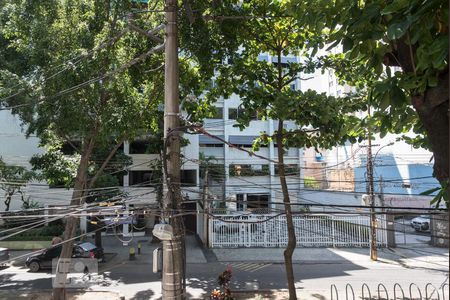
point(232, 231)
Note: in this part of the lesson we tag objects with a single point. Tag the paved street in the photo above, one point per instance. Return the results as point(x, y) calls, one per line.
point(315, 270)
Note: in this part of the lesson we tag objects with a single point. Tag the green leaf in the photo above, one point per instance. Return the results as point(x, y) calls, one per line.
point(385, 101)
point(395, 6)
point(430, 191)
point(398, 97)
point(347, 44)
point(397, 30)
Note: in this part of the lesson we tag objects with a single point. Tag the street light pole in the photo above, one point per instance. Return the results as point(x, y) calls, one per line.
point(173, 249)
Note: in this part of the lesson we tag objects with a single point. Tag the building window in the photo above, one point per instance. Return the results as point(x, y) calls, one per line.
point(240, 202)
point(143, 178)
point(188, 177)
point(150, 145)
point(290, 169)
point(255, 201)
point(217, 114)
point(249, 170)
point(293, 86)
point(210, 145)
point(234, 113)
point(139, 147)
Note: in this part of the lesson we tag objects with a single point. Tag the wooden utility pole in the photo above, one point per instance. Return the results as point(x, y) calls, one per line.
point(173, 250)
point(373, 221)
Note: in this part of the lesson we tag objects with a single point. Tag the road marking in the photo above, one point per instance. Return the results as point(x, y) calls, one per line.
point(247, 267)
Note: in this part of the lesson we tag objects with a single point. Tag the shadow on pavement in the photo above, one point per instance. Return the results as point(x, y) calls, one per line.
point(143, 295)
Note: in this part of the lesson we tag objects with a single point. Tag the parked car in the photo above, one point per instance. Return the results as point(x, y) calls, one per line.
point(421, 223)
point(4, 256)
point(43, 260)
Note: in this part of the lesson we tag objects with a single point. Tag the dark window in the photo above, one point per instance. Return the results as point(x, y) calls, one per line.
point(143, 178)
point(257, 201)
point(218, 113)
point(249, 145)
point(188, 177)
point(234, 113)
point(249, 170)
point(139, 147)
point(211, 145)
point(240, 202)
point(215, 171)
point(148, 145)
point(290, 169)
point(283, 65)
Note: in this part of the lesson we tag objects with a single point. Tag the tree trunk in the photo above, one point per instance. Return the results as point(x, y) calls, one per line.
point(59, 293)
point(292, 240)
point(432, 108)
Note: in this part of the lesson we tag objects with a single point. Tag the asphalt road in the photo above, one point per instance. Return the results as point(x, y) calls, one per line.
point(135, 280)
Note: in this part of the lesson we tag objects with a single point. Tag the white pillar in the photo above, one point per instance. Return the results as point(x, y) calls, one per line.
point(46, 211)
point(126, 151)
point(83, 220)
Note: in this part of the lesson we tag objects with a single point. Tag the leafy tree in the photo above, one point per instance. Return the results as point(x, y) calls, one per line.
point(264, 87)
point(82, 77)
point(398, 52)
point(12, 180)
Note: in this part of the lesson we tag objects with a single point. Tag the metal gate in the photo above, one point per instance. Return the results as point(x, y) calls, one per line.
point(232, 231)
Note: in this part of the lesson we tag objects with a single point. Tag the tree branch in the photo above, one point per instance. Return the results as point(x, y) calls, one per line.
point(148, 34)
point(104, 164)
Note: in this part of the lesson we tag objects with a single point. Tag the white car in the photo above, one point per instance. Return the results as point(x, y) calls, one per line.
point(421, 223)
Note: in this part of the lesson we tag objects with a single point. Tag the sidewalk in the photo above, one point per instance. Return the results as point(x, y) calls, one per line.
point(121, 247)
point(410, 256)
point(432, 258)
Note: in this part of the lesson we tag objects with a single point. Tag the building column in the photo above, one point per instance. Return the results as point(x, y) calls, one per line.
point(126, 151)
point(83, 220)
point(225, 151)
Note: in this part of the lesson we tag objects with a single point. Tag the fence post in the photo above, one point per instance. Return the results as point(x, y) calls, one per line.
point(265, 234)
point(360, 240)
point(211, 233)
point(332, 231)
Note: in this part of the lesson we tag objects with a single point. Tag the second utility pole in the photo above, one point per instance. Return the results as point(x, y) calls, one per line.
point(373, 221)
point(173, 250)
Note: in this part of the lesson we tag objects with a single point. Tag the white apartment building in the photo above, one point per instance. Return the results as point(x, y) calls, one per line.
point(251, 183)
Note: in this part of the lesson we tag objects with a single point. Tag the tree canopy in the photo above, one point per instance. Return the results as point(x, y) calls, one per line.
point(397, 51)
